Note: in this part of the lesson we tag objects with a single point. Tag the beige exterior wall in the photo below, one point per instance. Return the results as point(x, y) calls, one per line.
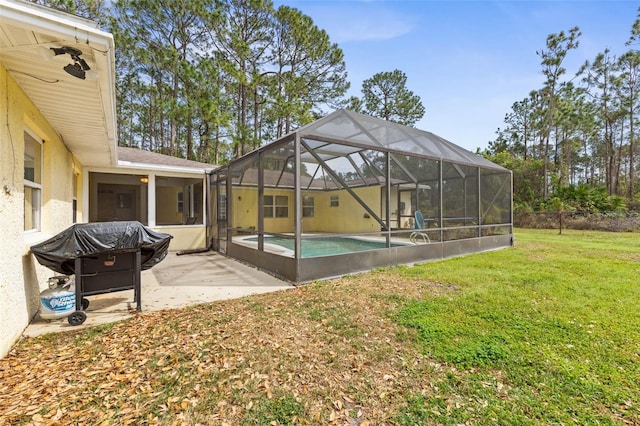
point(271, 224)
point(21, 277)
point(347, 217)
point(245, 210)
point(167, 211)
point(187, 237)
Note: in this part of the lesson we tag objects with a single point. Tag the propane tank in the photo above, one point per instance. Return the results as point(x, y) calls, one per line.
point(59, 300)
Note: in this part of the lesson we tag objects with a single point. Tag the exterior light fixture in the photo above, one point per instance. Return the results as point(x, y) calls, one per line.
point(79, 67)
point(144, 179)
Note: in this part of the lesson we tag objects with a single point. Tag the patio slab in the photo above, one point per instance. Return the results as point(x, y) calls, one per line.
point(176, 282)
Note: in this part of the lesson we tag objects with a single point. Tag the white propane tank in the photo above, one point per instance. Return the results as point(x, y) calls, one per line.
point(59, 300)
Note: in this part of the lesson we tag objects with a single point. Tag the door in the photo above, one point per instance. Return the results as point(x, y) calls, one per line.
point(219, 209)
point(116, 202)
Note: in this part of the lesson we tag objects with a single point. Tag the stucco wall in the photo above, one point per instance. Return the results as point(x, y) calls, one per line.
point(21, 277)
point(167, 211)
point(185, 237)
point(245, 210)
point(347, 217)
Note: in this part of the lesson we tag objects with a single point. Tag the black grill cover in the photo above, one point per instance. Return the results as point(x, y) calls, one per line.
point(86, 239)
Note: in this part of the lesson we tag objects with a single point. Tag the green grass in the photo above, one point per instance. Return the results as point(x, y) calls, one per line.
point(548, 332)
point(277, 411)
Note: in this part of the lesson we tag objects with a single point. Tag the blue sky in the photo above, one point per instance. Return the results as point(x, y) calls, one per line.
point(468, 61)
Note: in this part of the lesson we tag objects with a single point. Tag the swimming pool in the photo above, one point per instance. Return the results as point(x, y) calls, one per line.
point(325, 246)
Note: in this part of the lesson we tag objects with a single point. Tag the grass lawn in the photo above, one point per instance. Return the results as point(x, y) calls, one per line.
point(547, 332)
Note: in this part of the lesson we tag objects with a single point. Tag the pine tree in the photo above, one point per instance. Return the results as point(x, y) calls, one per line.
point(385, 95)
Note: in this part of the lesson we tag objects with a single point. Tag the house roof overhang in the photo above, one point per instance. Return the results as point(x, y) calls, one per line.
point(134, 158)
point(82, 111)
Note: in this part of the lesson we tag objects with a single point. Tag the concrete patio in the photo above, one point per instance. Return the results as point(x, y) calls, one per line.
point(176, 282)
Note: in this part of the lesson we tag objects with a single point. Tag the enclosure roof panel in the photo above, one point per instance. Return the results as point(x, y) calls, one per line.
point(360, 129)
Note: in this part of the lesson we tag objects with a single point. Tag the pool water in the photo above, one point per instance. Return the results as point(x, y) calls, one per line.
point(327, 246)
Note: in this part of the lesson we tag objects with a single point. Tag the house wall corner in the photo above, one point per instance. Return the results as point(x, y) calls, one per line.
point(22, 278)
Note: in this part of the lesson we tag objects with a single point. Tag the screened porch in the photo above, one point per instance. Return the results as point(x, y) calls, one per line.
point(351, 192)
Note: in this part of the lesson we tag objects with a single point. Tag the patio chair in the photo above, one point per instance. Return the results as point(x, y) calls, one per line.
point(419, 225)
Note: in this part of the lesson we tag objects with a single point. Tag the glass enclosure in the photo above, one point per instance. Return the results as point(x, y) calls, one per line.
point(178, 201)
point(119, 196)
point(351, 192)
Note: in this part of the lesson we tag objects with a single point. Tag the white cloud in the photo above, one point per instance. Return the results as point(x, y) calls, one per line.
point(357, 21)
point(371, 27)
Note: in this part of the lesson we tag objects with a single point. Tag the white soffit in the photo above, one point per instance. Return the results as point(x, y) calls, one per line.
point(81, 111)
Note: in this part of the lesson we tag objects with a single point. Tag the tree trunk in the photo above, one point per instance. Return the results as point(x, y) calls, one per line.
point(631, 149)
point(256, 121)
point(525, 141)
point(545, 189)
point(242, 119)
point(216, 146)
point(560, 214)
point(173, 124)
point(189, 153)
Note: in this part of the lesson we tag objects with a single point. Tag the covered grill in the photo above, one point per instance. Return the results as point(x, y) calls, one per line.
point(104, 256)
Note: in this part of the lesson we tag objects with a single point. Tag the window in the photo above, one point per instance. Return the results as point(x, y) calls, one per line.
point(222, 207)
point(276, 206)
point(32, 182)
point(308, 207)
point(334, 201)
point(74, 200)
point(178, 201)
point(118, 197)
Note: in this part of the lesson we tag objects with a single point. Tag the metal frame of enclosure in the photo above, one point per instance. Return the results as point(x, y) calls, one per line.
point(357, 181)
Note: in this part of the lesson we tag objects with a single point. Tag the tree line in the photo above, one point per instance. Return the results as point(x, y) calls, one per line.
point(572, 144)
point(211, 80)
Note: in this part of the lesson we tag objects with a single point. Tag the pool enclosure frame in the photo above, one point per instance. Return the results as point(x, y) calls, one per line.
point(351, 176)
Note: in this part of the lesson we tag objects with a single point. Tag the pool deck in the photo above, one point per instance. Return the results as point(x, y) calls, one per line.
point(174, 283)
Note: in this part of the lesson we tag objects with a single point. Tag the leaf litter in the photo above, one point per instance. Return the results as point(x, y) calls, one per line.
point(329, 348)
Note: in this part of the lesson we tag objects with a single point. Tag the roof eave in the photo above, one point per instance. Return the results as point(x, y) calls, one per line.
point(163, 168)
point(65, 29)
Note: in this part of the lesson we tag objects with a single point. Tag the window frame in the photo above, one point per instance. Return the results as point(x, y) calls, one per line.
point(33, 186)
point(74, 197)
point(180, 202)
point(276, 206)
point(187, 200)
point(308, 206)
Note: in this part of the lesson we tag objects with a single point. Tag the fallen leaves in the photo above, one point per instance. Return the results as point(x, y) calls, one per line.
point(329, 346)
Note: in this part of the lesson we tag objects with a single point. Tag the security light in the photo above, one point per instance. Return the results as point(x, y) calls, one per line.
point(75, 70)
point(79, 67)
